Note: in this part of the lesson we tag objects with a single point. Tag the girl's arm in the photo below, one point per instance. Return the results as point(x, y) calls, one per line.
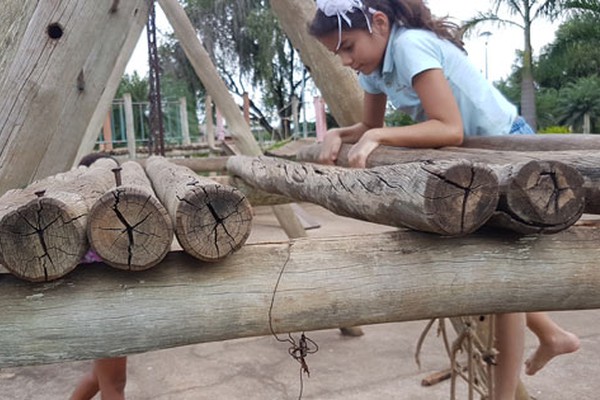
point(443, 128)
point(373, 117)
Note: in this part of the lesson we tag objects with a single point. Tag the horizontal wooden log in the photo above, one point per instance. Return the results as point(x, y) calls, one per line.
point(453, 198)
point(199, 164)
point(324, 283)
point(128, 227)
point(544, 142)
point(211, 221)
point(537, 177)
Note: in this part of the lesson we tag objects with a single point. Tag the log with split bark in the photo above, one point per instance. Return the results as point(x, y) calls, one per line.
point(537, 195)
point(43, 226)
point(449, 198)
point(323, 283)
point(211, 221)
point(128, 227)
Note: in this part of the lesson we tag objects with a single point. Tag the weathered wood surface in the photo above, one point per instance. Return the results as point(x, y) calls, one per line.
point(538, 197)
point(128, 227)
point(211, 221)
point(449, 198)
point(43, 226)
point(97, 311)
point(543, 142)
point(136, 26)
point(59, 59)
point(200, 164)
point(535, 186)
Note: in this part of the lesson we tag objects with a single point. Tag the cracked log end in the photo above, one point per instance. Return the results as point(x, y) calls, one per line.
point(45, 238)
point(130, 229)
point(461, 198)
point(213, 221)
point(545, 194)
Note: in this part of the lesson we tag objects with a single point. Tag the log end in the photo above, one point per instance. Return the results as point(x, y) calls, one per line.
point(461, 196)
point(44, 239)
point(544, 194)
point(130, 229)
point(213, 221)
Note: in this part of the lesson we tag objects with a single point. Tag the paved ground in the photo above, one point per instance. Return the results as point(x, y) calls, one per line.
point(378, 365)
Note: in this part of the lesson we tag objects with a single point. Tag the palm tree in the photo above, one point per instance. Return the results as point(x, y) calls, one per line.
point(525, 13)
point(579, 103)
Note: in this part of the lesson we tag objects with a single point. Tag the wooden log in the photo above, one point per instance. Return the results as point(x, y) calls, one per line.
point(43, 227)
point(538, 197)
point(536, 194)
point(128, 227)
point(534, 142)
point(60, 58)
point(211, 221)
point(449, 198)
point(44, 238)
point(325, 283)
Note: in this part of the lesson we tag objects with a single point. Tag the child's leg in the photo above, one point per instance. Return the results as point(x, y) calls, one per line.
point(112, 377)
point(510, 342)
point(554, 341)
point(86, 388)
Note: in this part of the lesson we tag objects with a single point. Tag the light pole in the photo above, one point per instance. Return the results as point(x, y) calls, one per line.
point(486, 35)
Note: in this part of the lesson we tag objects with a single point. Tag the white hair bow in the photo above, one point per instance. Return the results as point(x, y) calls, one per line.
point(340, 8)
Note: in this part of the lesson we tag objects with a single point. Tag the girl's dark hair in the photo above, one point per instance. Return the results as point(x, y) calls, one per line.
point(408, 13)
point(90, 158)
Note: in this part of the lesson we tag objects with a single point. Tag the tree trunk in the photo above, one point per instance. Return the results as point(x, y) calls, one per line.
point(211, 221)
point(323, 283)
point(449, 198)
point(535, 196)
point(54, 71)
point(338, 84)
point(43, 227)
point(528, 107)
point(128, 227)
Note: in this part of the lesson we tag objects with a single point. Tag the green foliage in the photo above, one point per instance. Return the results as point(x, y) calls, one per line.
point(573, 54)
point(134, 84)
point(579, 98)
point(555, 130)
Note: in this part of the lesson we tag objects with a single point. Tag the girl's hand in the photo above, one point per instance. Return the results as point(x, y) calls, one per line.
point(330, 147)
point(358, 154)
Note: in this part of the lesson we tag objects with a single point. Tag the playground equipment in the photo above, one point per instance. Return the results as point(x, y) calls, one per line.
point(58, 79)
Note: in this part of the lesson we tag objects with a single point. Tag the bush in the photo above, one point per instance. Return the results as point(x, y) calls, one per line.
point(555, 129)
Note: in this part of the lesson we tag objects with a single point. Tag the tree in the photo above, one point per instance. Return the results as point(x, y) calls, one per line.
point(249, 49)
point(579, 103)
point(573, 54)
point(526, 12)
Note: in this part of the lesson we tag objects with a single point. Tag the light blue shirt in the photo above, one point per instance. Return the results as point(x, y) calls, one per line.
point(484, 110)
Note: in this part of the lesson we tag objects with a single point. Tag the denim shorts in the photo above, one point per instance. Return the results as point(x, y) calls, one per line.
point(521, 127)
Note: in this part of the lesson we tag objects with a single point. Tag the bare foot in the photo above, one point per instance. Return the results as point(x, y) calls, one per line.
point(564, 343)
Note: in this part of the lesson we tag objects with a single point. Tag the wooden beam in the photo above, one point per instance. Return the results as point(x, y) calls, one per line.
point(97, 311)
point(57, 72)
point(449, 198)
point(211, 221)
point(545, 142)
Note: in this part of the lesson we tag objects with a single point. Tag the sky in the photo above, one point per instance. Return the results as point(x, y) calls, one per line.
point(501, 44)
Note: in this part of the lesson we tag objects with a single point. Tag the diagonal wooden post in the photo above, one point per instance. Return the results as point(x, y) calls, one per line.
point(216, 88)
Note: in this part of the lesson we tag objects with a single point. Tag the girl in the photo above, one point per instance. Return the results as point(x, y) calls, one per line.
point(404, 55)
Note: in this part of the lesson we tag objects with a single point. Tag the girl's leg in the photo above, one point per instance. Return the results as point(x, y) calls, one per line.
point(510, 342)
point(112, 377)
point(86, 388)
point(553, 339)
